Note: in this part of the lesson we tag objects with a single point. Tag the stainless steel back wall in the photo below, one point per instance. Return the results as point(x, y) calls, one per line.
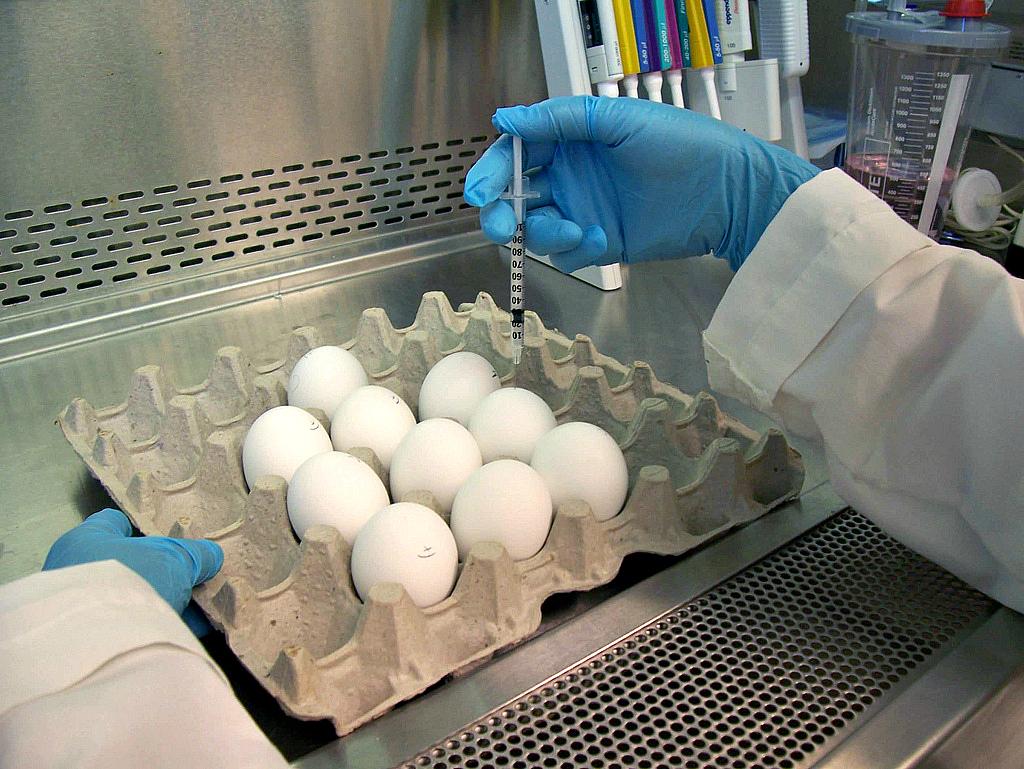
point(123, 120)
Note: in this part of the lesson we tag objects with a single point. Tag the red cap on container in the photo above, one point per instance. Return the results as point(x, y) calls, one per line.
point(965, 9)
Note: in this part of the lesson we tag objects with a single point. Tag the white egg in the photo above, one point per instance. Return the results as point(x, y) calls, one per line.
point(455, 386)
point(408, 544)
point(509, 422)
point(334, 489)
point(578, 460)
point(279, 441)
point(437, 455)
point(506, 502)
point(323, 377)
point(372, 417)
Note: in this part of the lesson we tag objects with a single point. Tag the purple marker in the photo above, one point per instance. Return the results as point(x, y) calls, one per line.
point(652, 80)
point(673, 35)
point(675, 75)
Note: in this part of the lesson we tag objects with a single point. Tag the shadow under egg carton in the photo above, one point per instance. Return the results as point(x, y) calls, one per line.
point(172, 460)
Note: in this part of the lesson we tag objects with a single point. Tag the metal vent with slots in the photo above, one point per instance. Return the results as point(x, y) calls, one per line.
point(1015, 54)
point(766, 670)
point(69, 248)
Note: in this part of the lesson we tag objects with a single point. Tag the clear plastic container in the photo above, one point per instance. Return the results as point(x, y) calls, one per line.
point(914, 78)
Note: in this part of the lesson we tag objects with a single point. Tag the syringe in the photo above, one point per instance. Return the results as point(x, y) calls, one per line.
point(517, 192)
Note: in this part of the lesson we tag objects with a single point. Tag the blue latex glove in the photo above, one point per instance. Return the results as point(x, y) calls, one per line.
point(630, 180)
point(172, 566)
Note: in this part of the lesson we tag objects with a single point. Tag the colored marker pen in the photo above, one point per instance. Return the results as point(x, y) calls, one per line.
point(643, 51)
point(701, 55)
point(711, 19)
point(684, 32)
point(627, 46)
point(661, 33)
point(674, 76)
point(652, 78)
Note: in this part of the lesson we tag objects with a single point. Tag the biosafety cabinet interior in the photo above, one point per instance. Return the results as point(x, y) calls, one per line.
point(181, 177)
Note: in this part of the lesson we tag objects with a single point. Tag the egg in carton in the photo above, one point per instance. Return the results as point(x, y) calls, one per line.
point(172, 460)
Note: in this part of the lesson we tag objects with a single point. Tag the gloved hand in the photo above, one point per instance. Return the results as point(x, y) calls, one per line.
point(172, 566)
point(630, 180)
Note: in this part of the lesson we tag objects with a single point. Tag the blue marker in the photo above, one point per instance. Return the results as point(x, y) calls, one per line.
point(643, 48)
point(711, 19)
point(651, 28)
point(652, 79)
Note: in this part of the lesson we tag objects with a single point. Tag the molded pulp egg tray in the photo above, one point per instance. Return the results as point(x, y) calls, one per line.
point(172, 460)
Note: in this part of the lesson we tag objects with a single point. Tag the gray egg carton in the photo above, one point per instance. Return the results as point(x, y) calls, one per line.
point(172, 460)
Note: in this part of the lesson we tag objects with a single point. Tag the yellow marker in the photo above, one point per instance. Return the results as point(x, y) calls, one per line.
point(627, 37)
point(700, 41)
point(702, 57)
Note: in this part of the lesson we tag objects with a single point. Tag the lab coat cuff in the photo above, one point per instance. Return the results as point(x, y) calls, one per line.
point(84, 616)
point(818, 253)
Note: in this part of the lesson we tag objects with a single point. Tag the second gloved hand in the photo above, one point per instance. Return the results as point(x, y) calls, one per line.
point(172, 566)
point(630, 180)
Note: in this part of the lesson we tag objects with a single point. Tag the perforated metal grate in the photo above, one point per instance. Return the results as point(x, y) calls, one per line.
point(99, 244)
point(766, 670)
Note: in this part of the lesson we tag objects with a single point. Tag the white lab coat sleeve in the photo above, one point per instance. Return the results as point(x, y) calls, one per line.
point(96, 670)
point(904, 358)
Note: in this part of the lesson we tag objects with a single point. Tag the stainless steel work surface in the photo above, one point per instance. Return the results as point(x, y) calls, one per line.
point(656, 317)
point(805, 639)
point(181, 175)
point(417, 725)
